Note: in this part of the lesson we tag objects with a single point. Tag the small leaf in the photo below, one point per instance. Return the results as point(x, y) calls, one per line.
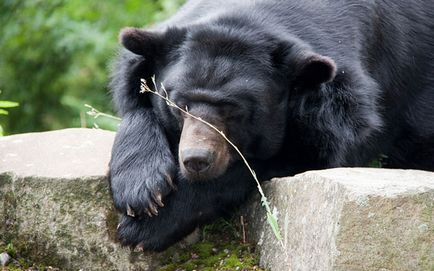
point(3, 112)
point(274, 226)
point(8, 104)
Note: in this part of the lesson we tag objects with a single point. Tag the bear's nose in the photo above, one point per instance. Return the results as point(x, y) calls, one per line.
point(196, 160)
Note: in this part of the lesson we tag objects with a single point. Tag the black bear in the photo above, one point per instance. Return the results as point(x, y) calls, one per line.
point(296, 85)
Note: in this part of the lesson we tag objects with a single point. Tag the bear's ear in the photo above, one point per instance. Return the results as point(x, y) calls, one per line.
point(140, 42)
point(305, 67)
point(313, 69)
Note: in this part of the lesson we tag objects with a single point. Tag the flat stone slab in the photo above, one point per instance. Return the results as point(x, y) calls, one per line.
point(348, 219)
point(54, 201)
point(68, 153)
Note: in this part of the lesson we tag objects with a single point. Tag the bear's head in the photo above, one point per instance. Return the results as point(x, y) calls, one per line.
point(237, 78)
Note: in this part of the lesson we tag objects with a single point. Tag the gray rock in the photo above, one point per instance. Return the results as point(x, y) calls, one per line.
point(4, 259)
point(348, 219)
point(69, 153)
point(55, 207)
point(55, 204)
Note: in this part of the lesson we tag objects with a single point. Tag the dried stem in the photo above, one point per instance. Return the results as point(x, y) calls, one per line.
point(95, 113)
point(271, 217)
point(243, 228)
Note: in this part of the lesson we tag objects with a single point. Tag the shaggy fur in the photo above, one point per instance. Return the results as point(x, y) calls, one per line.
point(297, 85)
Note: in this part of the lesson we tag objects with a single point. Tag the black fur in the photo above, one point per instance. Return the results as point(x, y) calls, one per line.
point(298, 84)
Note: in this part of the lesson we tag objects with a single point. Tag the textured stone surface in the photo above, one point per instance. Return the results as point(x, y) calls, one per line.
point(54, 201)
point(348, 219)
point(55, 207)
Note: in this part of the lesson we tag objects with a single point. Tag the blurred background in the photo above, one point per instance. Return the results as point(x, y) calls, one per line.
point(55, 58)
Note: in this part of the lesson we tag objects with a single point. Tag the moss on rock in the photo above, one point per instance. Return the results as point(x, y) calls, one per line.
point(221, 249)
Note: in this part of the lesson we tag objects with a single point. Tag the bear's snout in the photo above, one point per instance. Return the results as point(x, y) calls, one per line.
point(197, 160)
point(203, 153)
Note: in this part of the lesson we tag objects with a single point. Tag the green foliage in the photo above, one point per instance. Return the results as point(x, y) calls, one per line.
point(56, 56)
point(3, 111)
point(8, 104)
point(10, 249)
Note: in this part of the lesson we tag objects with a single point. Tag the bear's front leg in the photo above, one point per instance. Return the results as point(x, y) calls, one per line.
point(142, 167)
point(193, 204)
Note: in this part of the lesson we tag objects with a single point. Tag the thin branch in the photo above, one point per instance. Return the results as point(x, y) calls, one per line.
point(95, 113)
point(271, 217)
